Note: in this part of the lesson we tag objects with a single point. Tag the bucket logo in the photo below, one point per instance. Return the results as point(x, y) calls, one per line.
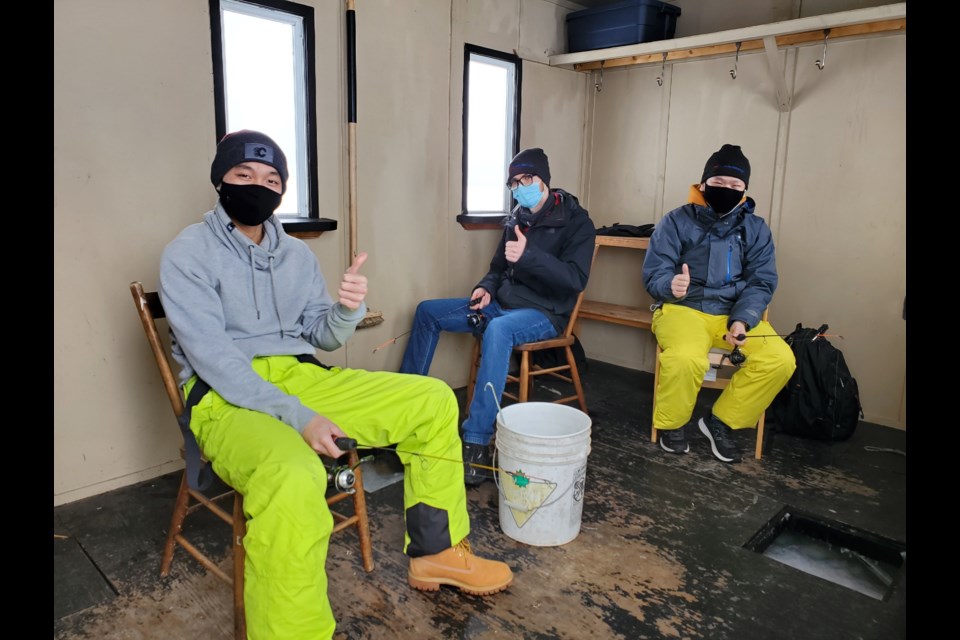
point(526, 500)
point(581, 480)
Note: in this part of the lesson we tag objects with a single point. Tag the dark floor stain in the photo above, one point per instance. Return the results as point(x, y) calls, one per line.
point(660, 552)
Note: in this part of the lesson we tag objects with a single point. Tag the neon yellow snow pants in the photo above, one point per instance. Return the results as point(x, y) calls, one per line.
point(686, 335)
point(283, 481)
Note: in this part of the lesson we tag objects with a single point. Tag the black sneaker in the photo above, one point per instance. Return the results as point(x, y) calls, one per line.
point(674, 440)
point(719, 434)
point(478, 454)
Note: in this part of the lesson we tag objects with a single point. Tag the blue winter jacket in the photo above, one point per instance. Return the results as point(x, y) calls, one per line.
point(733, 270)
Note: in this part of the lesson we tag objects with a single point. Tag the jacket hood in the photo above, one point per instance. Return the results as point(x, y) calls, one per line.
point(559, 207)
point(704, 210)
point(259, 257)
point(226, 231)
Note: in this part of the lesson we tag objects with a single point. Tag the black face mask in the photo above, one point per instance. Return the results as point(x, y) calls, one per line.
point(721, 199)
point(249, 204)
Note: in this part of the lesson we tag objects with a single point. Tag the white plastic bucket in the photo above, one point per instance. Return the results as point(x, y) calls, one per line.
point(547, 444)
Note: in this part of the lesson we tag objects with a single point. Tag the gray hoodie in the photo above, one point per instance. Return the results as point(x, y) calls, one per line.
point(228, 300)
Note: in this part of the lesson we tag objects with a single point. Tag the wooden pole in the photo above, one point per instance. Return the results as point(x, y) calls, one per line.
point(372, 318)
point(352, 125)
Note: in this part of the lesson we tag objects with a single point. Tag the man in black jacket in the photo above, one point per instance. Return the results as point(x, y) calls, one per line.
point(539, 268)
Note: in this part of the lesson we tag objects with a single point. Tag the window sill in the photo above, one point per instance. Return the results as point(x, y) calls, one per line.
point(475, 221)
point(306, 228)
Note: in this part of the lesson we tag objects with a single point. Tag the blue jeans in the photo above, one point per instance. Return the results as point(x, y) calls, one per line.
point(505, 329)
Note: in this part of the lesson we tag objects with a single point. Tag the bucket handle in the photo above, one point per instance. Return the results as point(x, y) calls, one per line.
point(496, 400)
point(503, 496)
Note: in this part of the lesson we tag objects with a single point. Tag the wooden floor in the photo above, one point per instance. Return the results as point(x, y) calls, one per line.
point(661, 552)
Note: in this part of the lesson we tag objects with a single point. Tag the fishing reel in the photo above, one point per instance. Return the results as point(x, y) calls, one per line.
point(737, 357)
point(341, 476)
point(477, 322)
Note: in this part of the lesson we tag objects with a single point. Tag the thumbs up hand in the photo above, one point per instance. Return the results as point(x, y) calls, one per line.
point(680, 283)
point(514, 248)
point(353, 286)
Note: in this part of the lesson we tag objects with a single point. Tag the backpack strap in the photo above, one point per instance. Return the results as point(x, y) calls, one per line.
point(309, 358)
point(199, 473)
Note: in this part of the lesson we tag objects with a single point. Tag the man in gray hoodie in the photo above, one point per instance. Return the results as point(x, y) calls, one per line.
point(248, 307)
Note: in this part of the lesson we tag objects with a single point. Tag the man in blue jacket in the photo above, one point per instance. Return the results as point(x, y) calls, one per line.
point(711, 269)
point(539, 268)
point(248, 307)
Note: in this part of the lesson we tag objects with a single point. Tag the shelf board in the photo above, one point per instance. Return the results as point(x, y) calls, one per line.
point(629, 242)
point(884, 19)
point(616, 314)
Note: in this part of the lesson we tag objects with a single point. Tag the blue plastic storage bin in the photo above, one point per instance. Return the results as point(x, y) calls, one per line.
point(621, 23)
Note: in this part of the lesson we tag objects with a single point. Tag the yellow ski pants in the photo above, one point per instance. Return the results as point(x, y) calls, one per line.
point(283, 481)
point(686, 336)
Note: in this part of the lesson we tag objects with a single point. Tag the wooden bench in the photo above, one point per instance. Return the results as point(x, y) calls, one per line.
point(630, 316)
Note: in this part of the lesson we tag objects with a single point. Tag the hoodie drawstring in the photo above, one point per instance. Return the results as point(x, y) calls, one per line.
point(253, 277)
point(273, 286)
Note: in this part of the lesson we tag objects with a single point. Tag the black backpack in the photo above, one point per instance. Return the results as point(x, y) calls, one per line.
point(821, 400)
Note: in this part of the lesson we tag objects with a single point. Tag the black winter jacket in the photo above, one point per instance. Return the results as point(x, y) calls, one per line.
point(555, 264)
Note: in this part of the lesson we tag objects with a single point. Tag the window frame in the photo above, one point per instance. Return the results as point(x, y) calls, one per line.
point(476, 221)
point(312, 224)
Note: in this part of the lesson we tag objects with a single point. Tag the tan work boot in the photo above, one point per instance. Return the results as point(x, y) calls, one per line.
point(457, 566)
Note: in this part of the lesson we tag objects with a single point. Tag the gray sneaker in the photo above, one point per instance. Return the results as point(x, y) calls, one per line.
point(674, 440)
point(719, 435)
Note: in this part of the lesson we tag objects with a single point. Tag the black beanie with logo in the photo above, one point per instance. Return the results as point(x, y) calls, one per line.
point(247, 146)
point(533, 161)
point(728, 161)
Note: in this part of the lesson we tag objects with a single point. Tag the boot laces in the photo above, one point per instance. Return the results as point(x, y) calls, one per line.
point(463, 548)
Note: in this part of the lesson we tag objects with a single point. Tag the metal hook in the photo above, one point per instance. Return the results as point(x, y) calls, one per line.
point(663, 66)
point(823, 61)
point(736, 63)
point(599, 85)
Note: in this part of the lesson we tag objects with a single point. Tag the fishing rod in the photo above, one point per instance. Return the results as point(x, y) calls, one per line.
point(820, 333)
point(394, 339)
point(743, 336)
point(738, 357)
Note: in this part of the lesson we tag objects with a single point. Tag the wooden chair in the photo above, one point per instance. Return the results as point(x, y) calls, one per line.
point(189, 500)
point(529, 372)
point(719, 361)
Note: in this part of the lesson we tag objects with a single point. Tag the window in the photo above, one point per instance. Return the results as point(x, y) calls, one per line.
point(491, 132)
point(263, 70)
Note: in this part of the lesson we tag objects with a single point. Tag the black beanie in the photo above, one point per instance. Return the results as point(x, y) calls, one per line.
point(729, 161)
point(243, 146)
point(530, 161)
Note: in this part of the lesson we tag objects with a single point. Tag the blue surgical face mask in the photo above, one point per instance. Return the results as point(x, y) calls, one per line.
point(528, 196)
